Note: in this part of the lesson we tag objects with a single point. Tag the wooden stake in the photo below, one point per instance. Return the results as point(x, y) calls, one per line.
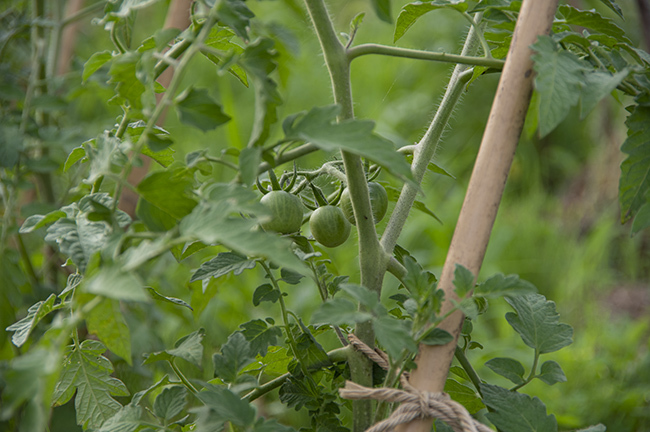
point(485, 189)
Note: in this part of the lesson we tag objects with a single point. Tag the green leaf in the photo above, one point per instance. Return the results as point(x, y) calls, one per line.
point(35, 313)
point(127, 419)
point(188, 348)
point(168, 191)
point(463, 280)
point(196, 108)
point(265, 292)
point(413, 11)
point(616, 8)
point(437, 336)
point(219, 39)
point(236, 15)
point(139, 396)
point(558, 82)
point(208, 223)
point(112, 282)
point(88, 372)
point(537, 322)
point(173, 300)
point(297, 393)
point(107, 322)
point(551, 372)
point(361, 294)
point(508, 368)
point(310, 352)
point(339, 311)
point(222, 405)
point(515, 412)
point(382, 9)
point(500, 285)
point(75, 156)
point(319, 127)
point(223, 264)
point(634, 185)
point(78, 238)
point(394, 335)
point(594, 428)
point(641, 219)
point(94, 63)
point(124, 73)
point(235, 354)
point(271, 426)
point(464, 395)
point(260, 335)
point(439, 170)
point(249, 162)
point(593, 20)
point(597, 85)
point(170, 402)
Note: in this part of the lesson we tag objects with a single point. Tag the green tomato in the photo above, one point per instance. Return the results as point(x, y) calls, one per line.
point(378, 202)
point(286, 212)
point(328, 226)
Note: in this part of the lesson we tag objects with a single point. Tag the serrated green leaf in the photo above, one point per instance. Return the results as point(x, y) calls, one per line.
point(635, 169)
point(558, 82)
point(463, 280)
point(236, 353)
point(223, 264)
point(123, 73)
point(107, 322)
point(464, 395)
point(189, 347)
point(112, 282)
point(220, 39)
point(437, 336)
point(361, 294)
point(170, 402)
point(500, 285)
point(35, 222)
point(641, 219)
point(260, 335)
point(249, 161)
point(416, 280)
point(222, 405)
point(413, 11)
point(265, 292)
point(127, 419)
point(339, 311)
point(173, 300)
point(88, 372)
point(319, 127)
point(197, 108)
point(297, 393)
point(551, 372)
point(311, 353)
point(394, 335)
point(94, 63)
point(537, 322)
point(78, 238)
point(236, 15)
point(593, 20)
point(35, 313)
point(75, 156)
point(515, 412)
point(168, 191)
point(507, 367)
point(597, 85)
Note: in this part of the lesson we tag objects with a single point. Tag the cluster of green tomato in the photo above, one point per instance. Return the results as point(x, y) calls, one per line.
point(329, 224)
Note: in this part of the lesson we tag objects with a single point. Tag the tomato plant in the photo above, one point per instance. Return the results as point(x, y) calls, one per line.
point(137, 280)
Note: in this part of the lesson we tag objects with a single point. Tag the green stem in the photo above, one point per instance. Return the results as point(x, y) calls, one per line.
point(479, 32)
point(27, 261)
point(427, 146)
point(365, 49)
point(184, 380)
point(82, 13)
point(467, 366)
point(531, 375)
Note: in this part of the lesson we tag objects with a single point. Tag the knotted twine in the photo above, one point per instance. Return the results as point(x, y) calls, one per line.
point(414, 404)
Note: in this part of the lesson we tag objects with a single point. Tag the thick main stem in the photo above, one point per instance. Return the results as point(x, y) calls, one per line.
point(372, 260)
point(486, 186)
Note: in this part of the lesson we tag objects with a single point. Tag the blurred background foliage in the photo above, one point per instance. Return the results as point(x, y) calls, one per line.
point(558, 226)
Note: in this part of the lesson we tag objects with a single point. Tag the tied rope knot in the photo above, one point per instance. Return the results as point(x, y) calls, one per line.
point(414, 404)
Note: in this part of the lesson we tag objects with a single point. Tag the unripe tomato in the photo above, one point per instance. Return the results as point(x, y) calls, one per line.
point(328, 226)
point(378, 202)
point(286, 212)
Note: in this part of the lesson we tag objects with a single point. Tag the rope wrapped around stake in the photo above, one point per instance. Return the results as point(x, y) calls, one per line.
point(414, 404)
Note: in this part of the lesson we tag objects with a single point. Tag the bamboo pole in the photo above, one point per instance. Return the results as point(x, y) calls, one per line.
point(485, 189)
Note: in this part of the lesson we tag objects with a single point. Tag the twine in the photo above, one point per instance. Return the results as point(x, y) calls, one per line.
point(414, 404)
